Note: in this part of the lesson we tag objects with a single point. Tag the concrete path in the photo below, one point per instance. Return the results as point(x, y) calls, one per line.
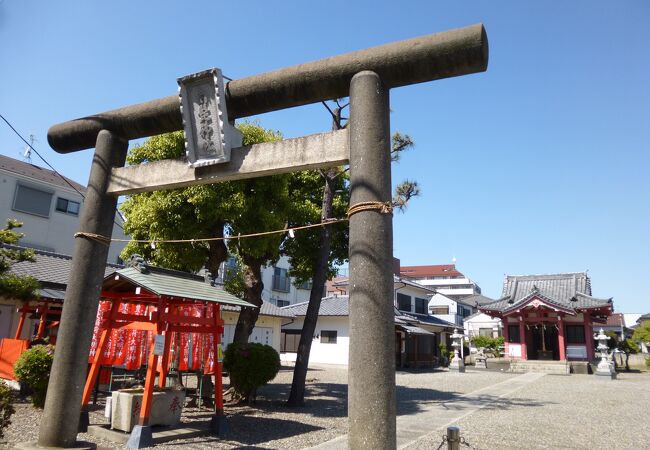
point(434, 418)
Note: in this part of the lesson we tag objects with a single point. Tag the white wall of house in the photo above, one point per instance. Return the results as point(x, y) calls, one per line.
point(9, 320)
point(323, 352)
point(34, 203)
point(440, 303)
point(417, 298)
point(451, 287)
point(266, 331)
point(482, 324)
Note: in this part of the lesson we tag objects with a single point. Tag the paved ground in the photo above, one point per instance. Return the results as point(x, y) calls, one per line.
point(494, 410)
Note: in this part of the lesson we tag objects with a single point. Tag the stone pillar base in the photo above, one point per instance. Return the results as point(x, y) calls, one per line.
point(33, 445)
point(219, 425)
point(84, 421)
point(141, 437)
point(457, 365)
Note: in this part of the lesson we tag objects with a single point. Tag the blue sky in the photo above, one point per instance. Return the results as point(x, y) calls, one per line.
point(538, 165)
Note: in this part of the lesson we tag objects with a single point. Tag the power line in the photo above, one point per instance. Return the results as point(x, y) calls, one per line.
point(49, 165)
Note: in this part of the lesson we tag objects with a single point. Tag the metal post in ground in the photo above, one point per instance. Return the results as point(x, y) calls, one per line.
point(453, 438)
point(371, 375)
point(67, 378)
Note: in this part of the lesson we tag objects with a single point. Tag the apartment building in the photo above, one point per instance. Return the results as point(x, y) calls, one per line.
point(48, 205)
point(445, 279)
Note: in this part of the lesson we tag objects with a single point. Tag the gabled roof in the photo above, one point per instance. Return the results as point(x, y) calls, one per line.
point(561, 286)
point(335, 305)
point(475, 300)
point(267, 309)
point(171, 283)
point(338, 305)
point(345, 282)
point(565, 291)
point(50, 269)
point(37, 173)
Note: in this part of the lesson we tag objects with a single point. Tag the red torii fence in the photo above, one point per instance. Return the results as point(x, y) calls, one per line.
point(48, 306)
point(134, 308)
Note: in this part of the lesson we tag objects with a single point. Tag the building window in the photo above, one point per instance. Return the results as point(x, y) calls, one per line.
point(421, 305)
point(32, 201)
point(440, 310)
point(290, 340)
point(281, 281)
point(575, 334)
point(487, 332)
point(67, 206)
point(328, 337)
point(230, 269)
point(513, 334)
point(403, 302)
point(306, 285)
point(279, 302)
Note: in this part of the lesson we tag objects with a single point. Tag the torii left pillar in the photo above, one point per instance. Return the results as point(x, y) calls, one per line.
point(67, 379)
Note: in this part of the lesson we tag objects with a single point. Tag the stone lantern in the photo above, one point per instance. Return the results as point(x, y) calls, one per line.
point(605, 368)
point(457, 364)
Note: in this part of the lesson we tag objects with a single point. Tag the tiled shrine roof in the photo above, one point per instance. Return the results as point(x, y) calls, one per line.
point(567, 291)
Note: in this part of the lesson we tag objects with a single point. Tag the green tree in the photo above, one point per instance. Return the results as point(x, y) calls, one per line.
point(237, 207)
point(642, 333)
point(628, 347)
point(12, 285)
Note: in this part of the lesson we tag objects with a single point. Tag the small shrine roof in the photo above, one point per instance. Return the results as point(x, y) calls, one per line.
point(172, 283)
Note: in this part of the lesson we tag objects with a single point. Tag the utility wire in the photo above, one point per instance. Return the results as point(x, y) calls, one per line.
point(49, 165)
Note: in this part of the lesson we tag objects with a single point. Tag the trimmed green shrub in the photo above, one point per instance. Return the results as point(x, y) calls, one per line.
point(490, 344)
point(647, 361)
point(33, 370)
point(250, 366)
point(6, 406)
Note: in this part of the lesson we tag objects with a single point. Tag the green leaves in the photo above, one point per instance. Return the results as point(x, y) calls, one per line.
point(12, 285)
point(33, 369)
point(250, 366)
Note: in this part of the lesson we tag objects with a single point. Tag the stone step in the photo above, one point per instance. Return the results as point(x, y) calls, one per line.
point(549, 367)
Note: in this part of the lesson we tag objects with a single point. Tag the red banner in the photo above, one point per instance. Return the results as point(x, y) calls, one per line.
point(131, 347)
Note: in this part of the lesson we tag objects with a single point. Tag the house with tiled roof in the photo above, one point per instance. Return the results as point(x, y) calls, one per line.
point(49, 206)
point(417, 335)
point(549, 317)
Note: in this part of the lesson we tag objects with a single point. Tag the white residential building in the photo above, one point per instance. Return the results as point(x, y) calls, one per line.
point(48, 206)
point(279, 288)
point(444, 278)
point(450, 310)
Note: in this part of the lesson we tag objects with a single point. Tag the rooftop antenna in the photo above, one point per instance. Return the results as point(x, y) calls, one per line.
point(27, 154)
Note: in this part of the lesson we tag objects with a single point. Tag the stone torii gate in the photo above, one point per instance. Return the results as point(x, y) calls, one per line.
point(366, 77)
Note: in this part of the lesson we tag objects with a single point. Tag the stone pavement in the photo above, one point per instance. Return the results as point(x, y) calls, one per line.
point(435, 417)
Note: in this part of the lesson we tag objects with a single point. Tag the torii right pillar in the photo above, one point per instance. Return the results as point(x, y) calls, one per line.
point(371, 370)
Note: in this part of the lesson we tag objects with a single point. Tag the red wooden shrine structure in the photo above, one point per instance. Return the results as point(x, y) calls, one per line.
point(141, 305)
point(49, 310)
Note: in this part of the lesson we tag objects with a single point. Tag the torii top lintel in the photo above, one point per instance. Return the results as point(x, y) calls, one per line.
point(442, 55)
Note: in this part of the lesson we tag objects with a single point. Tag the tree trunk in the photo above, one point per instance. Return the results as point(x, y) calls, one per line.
point(217, 252)
point(297, 394)
point(253, 287)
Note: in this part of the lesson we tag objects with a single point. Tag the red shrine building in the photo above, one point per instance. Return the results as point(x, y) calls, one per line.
point(549, 317)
